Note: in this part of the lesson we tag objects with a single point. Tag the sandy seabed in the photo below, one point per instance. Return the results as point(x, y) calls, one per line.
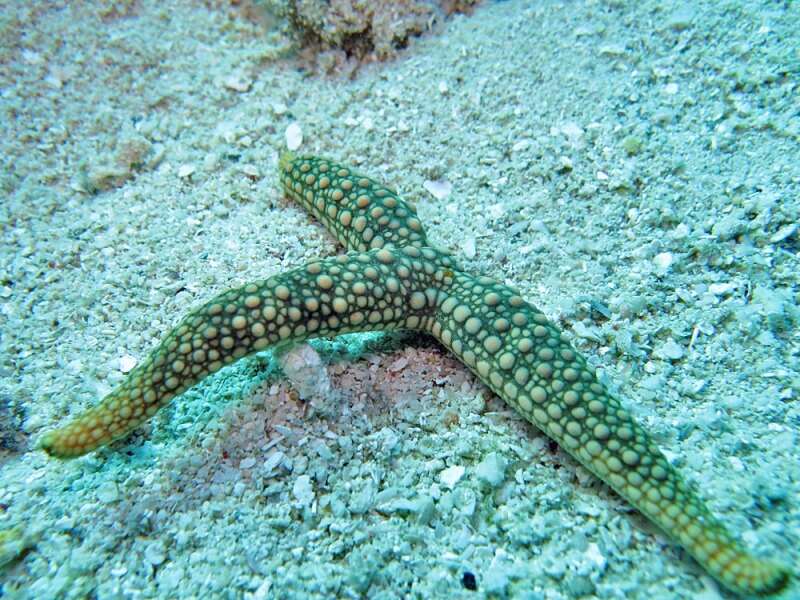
point(632, 169)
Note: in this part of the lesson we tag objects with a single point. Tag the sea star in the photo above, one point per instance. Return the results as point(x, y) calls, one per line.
point(391, 278)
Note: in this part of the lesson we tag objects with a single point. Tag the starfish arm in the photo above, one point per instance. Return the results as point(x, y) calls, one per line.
point(360, 212)
point(360, 291)
point(525, 360)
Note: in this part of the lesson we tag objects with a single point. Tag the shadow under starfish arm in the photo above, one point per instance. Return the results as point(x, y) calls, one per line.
point(392, 279)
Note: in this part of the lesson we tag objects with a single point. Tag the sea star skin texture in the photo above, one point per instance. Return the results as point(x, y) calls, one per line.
point(392, 279)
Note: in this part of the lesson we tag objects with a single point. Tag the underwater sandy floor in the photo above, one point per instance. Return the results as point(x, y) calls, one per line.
point(633, 170)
